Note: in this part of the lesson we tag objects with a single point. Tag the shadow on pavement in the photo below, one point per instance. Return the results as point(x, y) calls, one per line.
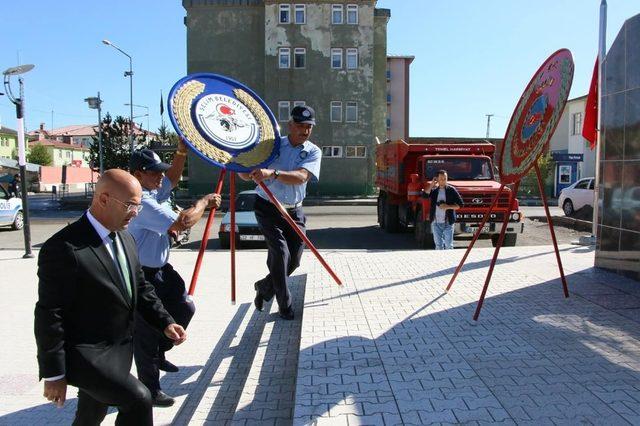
point(533, 356)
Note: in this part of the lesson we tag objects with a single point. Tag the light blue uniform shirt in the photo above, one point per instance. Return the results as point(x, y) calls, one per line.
point(306, 156)
point(150, 227)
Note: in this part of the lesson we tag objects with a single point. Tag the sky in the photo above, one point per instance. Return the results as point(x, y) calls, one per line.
point(472, 57)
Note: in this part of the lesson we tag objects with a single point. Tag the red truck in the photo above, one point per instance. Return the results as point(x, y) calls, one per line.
point(403, 171)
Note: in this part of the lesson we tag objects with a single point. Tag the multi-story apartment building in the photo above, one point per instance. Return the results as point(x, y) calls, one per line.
point(398, 96)
point(328, 54)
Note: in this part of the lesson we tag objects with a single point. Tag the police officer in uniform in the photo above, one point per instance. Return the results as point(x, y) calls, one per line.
point(151, 229)
point(297, 162)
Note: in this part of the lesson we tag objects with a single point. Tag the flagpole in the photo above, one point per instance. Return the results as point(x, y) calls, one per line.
point(602, 47)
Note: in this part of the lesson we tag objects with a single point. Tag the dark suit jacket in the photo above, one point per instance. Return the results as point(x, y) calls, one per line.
point(84, 316)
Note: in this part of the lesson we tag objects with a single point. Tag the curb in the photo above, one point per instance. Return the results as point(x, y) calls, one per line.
point(566, 222)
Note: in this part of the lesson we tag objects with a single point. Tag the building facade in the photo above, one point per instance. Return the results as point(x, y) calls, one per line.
point(618, 239)
point(398, 97)
point(573, 157)
point(8, 143)
point(329, 54)
point(64, 154)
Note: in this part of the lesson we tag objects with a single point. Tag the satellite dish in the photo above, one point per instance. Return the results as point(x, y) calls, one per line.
point(20, 69)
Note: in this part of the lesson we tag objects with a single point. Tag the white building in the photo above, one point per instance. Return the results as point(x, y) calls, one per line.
point(574, 159)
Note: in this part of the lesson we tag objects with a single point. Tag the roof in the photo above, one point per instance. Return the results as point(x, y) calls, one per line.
point(579, 98)
point(80, 130)
point(74, 130)
point(401, 57)
point(7, 131)
point(58, 144)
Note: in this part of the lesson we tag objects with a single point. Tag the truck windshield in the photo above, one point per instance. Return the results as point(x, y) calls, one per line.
point(459, 168)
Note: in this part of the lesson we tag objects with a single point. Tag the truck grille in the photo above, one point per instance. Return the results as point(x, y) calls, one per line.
point(484, 200)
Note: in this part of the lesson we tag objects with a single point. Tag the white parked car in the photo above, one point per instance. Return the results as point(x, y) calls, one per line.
point(576, 196)
point(10, 210)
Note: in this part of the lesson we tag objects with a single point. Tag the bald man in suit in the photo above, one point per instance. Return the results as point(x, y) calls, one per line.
point(90, 286)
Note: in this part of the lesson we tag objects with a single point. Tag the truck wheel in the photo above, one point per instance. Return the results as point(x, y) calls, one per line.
point(509, 240)
point(391, 220)
point(381, 203)
point(423, 238)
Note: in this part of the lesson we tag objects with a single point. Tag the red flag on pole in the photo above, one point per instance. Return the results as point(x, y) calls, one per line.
point(590, 127)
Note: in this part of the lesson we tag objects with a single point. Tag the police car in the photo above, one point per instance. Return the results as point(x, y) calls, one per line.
point(247, 230)
point(10, 210)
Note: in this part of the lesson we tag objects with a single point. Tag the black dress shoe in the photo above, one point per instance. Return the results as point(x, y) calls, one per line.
point(161, 399)
point(287, 313)
point(258, 301)
point(165, 365)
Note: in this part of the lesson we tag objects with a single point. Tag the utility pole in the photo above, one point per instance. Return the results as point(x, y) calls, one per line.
point(489, 124)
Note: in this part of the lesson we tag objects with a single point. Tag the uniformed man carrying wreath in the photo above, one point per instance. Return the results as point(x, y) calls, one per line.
point(297, 162)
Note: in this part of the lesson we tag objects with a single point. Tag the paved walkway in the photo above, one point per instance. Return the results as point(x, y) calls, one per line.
point(393, 348)
point(388, 348)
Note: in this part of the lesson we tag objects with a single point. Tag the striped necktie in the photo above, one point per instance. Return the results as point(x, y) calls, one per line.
point(121, 261)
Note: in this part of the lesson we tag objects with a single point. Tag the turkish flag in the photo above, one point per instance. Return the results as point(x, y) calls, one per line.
point(590, 127)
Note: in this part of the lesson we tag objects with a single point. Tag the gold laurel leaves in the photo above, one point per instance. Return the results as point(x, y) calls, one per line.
point(181, 106)
point(264, 147)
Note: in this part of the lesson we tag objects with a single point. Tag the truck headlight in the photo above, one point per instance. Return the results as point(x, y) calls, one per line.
point(515, 216)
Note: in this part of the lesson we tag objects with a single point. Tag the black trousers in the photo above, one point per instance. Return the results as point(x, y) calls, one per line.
point(131, 397)
point(285, 250)
point(149, 346)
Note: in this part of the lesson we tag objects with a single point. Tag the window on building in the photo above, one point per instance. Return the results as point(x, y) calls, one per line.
point(285, 13)
point(388, 97)
point(352, 14)
point(332, 151)
point(284, 110)
point(299, 57)
point(356, 152)
point(352, 58)
point(59, 154)
point(576, 123)
point(336, 14)
point(336, 58)
point(299, 103)
point(301, 14)
point(351, 112)
point(336, 111)
point(388, 123)
point(284, 57)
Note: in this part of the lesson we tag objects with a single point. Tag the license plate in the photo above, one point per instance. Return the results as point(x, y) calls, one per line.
point(251, 237)
point(474, 229)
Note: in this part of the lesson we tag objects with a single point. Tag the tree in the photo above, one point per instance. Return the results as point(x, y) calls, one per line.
point(166, 136)
point(115, 144)
point(40, 155)
point(529, 183)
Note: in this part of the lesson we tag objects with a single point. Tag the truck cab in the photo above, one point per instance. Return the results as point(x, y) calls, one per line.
point(404, 170)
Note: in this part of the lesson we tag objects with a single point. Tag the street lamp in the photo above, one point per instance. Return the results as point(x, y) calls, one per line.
point(130, 75)
point(144, 115)
point(22, 160)
point(95, 103)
